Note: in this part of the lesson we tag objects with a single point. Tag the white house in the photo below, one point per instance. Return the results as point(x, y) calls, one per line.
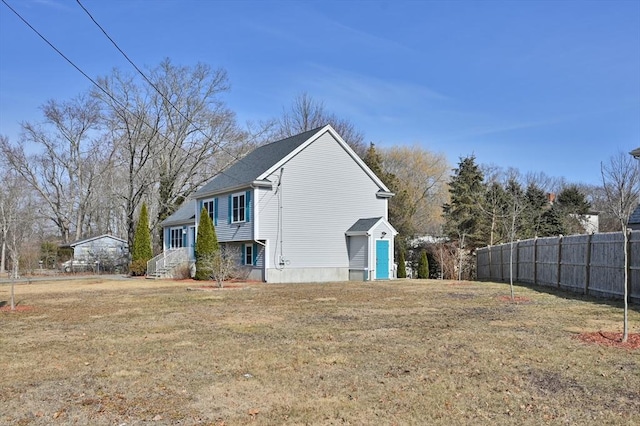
point(302, 209)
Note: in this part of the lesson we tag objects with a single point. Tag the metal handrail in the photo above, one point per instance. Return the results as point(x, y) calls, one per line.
point(167, 258)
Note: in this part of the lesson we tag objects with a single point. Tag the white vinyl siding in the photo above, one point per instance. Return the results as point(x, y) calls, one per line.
point(323, 193)
point(100, 248)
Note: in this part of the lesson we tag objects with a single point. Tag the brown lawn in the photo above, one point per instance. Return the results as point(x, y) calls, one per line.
point(405, 352)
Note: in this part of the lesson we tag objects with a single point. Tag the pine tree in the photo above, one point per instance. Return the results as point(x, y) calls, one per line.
point(423, 266)
point(402, 269)
point(463, 215)
point(206, 246)
point(141, 251)
point(533, 217)
point(572, 205)
point(401, 207)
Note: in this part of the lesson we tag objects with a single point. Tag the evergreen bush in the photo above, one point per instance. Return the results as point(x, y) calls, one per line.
point(141, 251)
point(206, 247)
point(402, 269)
point(423, 266)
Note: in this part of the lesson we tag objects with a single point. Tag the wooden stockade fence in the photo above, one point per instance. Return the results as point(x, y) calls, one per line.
point(588, 264)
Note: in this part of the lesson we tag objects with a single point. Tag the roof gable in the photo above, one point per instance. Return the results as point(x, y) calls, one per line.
point(266, 159)
point(186, 213)
point(86, 240)
point(364, 226)
point(251, 166)
point(342, 143)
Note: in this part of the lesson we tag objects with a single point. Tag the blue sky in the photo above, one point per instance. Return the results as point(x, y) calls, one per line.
point(542, 86)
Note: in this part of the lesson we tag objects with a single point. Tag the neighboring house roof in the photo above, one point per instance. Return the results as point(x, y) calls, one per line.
point(634, 219)
point(185, 214)
point(86, 240)
point(264, 160)
point(364, 226)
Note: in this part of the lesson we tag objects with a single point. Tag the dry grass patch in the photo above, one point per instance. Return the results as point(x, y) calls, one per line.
point(405, 352)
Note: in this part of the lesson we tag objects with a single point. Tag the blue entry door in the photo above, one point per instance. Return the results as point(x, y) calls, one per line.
point(382, 259)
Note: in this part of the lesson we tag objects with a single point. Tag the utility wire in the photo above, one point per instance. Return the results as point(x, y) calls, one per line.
point(164, 97)
point(59, 52)
point(120, 104)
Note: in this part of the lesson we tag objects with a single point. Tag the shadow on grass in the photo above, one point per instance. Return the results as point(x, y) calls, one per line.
point(634, 305)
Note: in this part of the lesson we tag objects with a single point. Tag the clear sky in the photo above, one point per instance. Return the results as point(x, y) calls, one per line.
point(544, 86)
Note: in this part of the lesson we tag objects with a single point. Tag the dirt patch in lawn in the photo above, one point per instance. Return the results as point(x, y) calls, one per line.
point(611, 339)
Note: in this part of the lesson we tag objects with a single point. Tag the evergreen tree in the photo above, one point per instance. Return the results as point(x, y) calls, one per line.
point(206, 246)
point(141, 251)
point(463, 215)
point(402, 269)
point(572, 200)
point(572, 205)
point(552, 222)
point(423, 265)
point(533, 217)
point(373, 159)
point(400, 204)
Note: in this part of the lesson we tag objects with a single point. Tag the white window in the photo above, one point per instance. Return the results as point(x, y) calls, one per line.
point(238, 209)
point(210, 208)
point(175, 238)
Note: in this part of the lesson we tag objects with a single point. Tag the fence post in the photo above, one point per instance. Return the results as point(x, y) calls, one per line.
point(518, 260)
point(628, 283)
point(502, 262)
point(587, 265)
point(535, 261)
point(559, 259)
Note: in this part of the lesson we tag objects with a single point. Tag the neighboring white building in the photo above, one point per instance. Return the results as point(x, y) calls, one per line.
point(590, 222)
point(108, 251)
point(302, 209)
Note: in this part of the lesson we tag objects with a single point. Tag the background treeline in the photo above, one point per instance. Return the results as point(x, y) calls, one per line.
point(490, 206)
point(92, 161)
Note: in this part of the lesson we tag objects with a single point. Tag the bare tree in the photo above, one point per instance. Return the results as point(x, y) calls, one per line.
point(515, 206)
point(70, 157)
point(200, 131)
point(134, 130)
point(307, 113)
point(621, 182)
point(224, 264)
point(172, 135)
point(421, 176)
point(16, 221)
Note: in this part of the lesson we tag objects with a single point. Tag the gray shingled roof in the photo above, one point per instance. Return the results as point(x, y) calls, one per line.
point(248, 168)
point(363, 225)
point(634, 219)
point(186, 213)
